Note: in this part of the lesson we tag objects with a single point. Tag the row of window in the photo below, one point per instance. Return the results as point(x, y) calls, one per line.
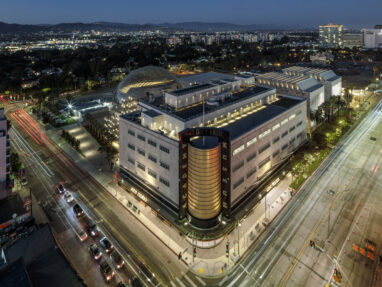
point(149, 141)
point(267, 132)
point(262, 163)
point(150, 156)
point(150, 172)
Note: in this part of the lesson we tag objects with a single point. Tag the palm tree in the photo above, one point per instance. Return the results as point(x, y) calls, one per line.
point(340, 104)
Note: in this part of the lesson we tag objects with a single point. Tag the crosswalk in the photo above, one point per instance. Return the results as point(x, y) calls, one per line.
point(186, 281)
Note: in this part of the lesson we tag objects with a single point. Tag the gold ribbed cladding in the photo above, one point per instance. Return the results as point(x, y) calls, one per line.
point(204, 195)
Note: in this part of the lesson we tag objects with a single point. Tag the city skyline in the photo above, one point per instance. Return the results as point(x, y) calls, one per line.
point(353, 14)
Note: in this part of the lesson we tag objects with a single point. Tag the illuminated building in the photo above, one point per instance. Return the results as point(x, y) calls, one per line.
point(331, 82)
point(373, 38)
point(202, 150)
point(4, 156)
point(330, 36)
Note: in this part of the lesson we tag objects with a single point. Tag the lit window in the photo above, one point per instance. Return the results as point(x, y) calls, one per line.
point(267, 132)
point(239, 149)
point(284, 122)
point(292, 116)
point(251, 142)
point(275, 127)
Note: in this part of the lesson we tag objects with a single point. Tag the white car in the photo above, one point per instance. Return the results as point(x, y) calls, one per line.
point(68, 197)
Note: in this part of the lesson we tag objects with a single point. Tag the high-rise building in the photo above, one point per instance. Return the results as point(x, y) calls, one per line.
point(330, 35)
point(372, 38)
point(4, 156)
point(352, 40)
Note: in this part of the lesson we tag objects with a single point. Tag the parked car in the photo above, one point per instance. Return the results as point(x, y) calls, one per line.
point(91, 228)
point(117, 259)
point(94, 251)
point(105, 244)
point(78, 210)
point(68, 197)
point(60, 189)
point(106, 271)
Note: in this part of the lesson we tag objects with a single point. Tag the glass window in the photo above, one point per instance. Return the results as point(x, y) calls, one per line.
point(131, 160)
point(275, 140)
point(165, 149)
point(251, 172)
point(152, 158)
point(264, 162)
point(238, 183)
point(251, 157)
point(292, 128)
point(267, 132)
point(152, 173)
point(164, 165)
point(238, 166)
point(237, 150)
point(284, 134)
point(284, 122)
point(251, 142)
point(164, 181)
point(131, 132)
point(292, 116)
point(141, 166)
point(151, 142)
point(275, 127)
point(264, 148)
point(141, 152)
point(130, 146)
point(141, 137)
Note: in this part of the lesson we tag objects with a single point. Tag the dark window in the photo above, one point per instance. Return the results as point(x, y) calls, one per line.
point(238, 166)
point(165, 149)
point(141, 137)
point(298, 112)
point(153, 143)
point(131, 132)
point(152, 158)
point(275, 153)
point(300, 134)
point(131, 160)
point(251, 172)
point(164, 165)
point(275, 140)
point(130, 146)
point(291, 141)
point(141, 152)
point(251, 157)
point(152, 173)
point(237, 183)
point(284, 134)
point(264, 147)
point(299, 123)
point(292, 128)
point(164, 181)
point(284, 147)
point(264, 162)
point(141, 166)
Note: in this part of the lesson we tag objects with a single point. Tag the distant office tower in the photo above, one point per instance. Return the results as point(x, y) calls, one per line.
point(4, 155)
point(351, 40)
point(373, 38)
point(331, 36)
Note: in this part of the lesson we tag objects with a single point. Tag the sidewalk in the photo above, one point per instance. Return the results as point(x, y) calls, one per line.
point(208, 262)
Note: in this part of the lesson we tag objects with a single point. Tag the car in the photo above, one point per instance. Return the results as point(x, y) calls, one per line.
point(91, 228)
point(331, 192)
point(82, 235)
point(117, 259)
point(105, 244)
point(61, 189)
point(24, 181)
point(106, 270)
point(68, 197)
point(78, 210)
point(94, 251)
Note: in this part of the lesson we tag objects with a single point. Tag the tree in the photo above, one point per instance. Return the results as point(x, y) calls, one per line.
point(15, 163)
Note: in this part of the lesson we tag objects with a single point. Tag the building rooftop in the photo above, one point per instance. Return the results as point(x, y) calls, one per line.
point(204, 78)
point(151, 113)
point(45, 263)
point(244, 125)
point(191, 89)
point(15, 274)
point(9, 206)
point(197, 110)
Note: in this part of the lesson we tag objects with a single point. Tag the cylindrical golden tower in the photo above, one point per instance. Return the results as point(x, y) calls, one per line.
point(204, 180)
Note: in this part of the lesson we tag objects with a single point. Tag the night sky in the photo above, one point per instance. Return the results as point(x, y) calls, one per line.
point(288, 13)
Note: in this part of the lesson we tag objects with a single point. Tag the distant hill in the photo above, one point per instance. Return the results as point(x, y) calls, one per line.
point(109, 26)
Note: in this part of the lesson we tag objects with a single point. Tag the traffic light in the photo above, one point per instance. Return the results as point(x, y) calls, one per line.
point(227, 249)
point(180, 255)
point(194, 251)
point(312, 244)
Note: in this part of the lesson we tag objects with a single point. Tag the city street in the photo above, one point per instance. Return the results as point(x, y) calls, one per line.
point(333, 220)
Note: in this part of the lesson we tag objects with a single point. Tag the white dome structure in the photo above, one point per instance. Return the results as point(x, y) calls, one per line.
point(145, 80)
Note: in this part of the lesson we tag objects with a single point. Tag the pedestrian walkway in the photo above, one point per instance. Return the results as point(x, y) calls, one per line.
point(208, 262)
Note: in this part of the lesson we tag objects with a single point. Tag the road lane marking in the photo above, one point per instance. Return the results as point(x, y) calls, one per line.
point(189, 280)
point(180, 282)
point(201, 281)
